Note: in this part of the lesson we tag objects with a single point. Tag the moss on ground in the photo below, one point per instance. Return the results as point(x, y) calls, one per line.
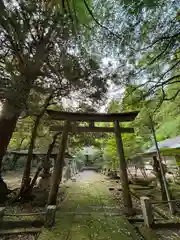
point(82, 197)
point(89, 227)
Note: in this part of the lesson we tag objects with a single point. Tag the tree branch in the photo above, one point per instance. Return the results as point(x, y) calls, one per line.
point(160, 54)
point(168, 80)
point(172, 98)
point(106, 28)
point(159, 39)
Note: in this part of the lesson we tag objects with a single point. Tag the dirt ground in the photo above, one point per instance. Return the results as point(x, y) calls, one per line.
point(13, 178)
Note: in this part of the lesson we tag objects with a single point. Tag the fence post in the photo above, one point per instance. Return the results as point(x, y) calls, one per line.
point(2, 211)
point(146, 207)
point(50, 216)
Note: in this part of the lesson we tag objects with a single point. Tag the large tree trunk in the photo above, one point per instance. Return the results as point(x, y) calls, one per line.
point(12, 109)
point(8, 120)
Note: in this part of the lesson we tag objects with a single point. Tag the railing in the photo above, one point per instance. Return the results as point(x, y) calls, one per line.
point(147, 209)
point(7, 225)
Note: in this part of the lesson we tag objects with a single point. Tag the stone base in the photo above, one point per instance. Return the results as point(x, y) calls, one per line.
point(50, 216)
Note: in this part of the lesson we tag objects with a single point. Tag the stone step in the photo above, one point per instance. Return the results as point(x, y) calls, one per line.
point(20, 231)
point(91, 213)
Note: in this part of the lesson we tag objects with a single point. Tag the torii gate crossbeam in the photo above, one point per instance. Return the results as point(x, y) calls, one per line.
point(91, 118)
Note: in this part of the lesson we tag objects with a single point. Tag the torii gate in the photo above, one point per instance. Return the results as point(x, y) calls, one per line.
point(91, 118)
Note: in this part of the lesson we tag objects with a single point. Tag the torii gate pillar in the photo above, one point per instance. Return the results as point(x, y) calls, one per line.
point(123, 171)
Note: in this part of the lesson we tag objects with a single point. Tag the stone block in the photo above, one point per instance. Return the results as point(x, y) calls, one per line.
point(147, 211)
point(50, 216)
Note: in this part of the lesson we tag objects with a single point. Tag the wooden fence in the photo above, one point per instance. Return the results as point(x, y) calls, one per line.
point(32, 225)
point(148, 214)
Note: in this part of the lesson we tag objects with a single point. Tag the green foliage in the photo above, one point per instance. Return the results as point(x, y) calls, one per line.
point(79, 158)
point(110, 154)
point(114, 106)
point(21, 135)
point(141, 38)
point(135, 6)
point(79, 11)
point(97, 158)
point(11, 162)
point(75, 8)
point(165, 116)
point(44, 37)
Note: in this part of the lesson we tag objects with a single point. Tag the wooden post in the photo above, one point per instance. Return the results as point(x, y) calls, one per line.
point(91, 123)
point(147, 211)
point(58, 167)
point(123, 171)
point(50, 216)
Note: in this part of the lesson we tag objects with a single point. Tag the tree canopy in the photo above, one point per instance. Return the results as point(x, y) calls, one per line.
point(81, 53)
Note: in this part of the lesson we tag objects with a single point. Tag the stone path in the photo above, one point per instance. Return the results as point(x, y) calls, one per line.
point(86, 213)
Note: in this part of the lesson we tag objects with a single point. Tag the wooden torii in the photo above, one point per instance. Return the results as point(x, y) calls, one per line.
point(91, 118)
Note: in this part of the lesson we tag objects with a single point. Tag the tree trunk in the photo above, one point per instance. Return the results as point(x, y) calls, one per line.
point(46, 162)
point(163, 191)
point(27, 168)
point(158, 175)
point(8, 120)
point(162, 171)
point(28, 191)
point(33, 182)
point(58, 167)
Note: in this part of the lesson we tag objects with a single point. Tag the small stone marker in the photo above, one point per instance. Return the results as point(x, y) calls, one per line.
point(147, 211)
point(50, 216)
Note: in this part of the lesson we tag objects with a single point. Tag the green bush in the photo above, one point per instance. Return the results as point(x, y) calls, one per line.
point(12, 162)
